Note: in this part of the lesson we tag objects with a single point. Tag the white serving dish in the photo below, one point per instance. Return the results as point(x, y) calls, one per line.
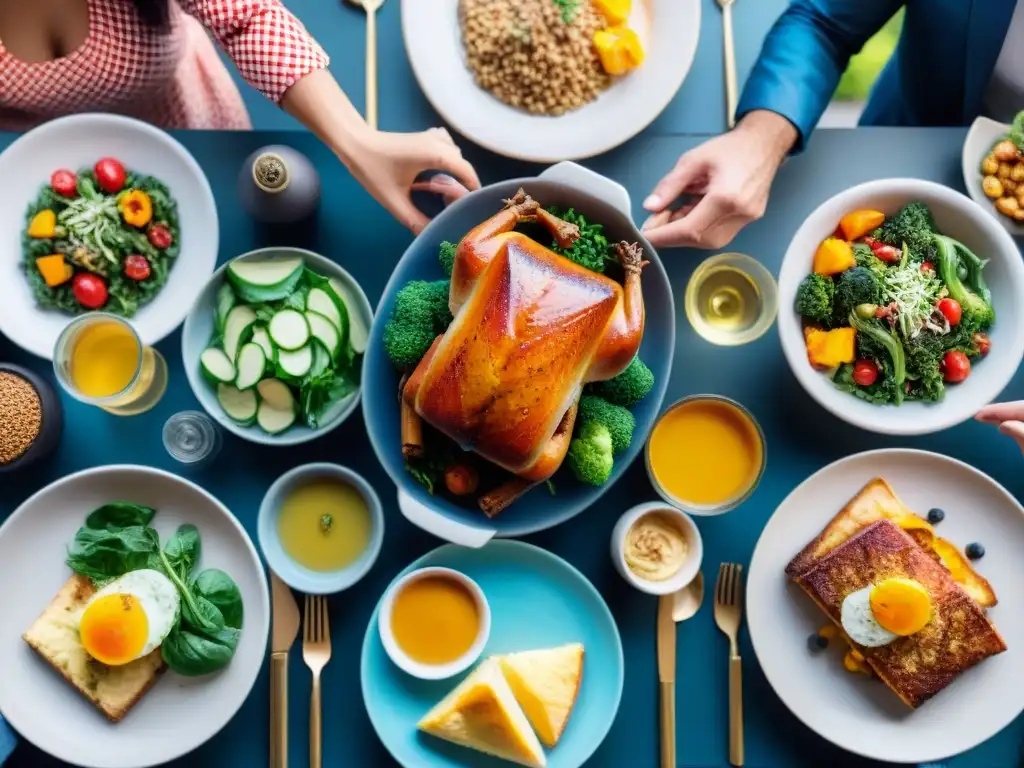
point(982, 136)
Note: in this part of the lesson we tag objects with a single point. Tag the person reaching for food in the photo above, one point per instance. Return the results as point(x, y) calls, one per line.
point(1008, 417)
point(956, 59)
point(153, 60)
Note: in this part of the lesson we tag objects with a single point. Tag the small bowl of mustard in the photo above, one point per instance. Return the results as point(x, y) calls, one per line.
point(657, 548)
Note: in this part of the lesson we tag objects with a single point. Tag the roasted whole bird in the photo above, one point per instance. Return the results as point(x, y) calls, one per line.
point(531, 328)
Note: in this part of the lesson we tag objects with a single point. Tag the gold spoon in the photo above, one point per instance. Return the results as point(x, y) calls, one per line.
point(673, 608)
point(370, 7)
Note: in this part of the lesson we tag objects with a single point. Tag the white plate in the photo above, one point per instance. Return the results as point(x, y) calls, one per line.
point(177, 714)
point(77, 142)
point(957, 217)
point(984, 133)
point(669, 30)
point(855, 712)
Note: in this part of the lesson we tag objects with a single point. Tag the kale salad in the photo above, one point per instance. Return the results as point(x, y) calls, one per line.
point(895, 310)
point(103, 238)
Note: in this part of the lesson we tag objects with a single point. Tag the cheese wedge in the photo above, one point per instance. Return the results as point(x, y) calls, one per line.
point(482, 714)
point(546, 684)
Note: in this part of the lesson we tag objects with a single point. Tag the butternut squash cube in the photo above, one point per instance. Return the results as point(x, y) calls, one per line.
point(830, 349)
point(859, 223)
point(54, 269)
point(833, 256)
point(43, 224)
point(614, 11)
point(619, 48)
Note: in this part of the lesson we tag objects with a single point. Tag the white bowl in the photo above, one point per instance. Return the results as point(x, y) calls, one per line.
point(76, 142)
point(433, 671)
point(957, 217)
point(694, 543)
point(983, 135)
point(198, 330)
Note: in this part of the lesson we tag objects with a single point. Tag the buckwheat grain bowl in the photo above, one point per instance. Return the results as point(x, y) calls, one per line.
point(30, 417)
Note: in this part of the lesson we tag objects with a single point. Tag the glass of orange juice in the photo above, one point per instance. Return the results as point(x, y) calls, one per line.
point(99, 359)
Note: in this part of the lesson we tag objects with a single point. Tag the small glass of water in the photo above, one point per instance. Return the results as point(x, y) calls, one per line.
point(192, 438)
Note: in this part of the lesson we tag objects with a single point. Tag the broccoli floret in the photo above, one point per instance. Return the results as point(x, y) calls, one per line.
point(618, 420)
point(858, 285)
point(629, 387)
point(924, 358)
point(866, 258)
point(977, 313)
point(1017, 131)
point(913, 224)
point(420, 314)
point(814, 298)
point(591, 250)
point(590, 454)
point(446, 255)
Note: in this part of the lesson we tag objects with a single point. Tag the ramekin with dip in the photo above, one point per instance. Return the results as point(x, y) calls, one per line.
point(705, 455)
point(657, 548)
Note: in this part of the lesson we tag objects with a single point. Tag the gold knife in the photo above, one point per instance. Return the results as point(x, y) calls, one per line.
point(285, 630)
point(667, 676)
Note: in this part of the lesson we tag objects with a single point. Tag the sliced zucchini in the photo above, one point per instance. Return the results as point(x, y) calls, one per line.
point(288, 329)
point(321, 358)
point(223, 304)
point(273, 419)
point(239, 405)
point(265, 279)
point(261, 337)
point(216, 366)
point(236, 329)
point(358, 332)
point(326, 304)
point(295, 363)
point(324, 331)
point(252, 362)
point(276, 393)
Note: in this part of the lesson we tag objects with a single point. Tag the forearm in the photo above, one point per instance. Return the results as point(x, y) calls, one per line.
point(775, 133)
point(317, 101)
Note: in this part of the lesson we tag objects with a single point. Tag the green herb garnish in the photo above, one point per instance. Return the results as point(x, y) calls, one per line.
point(326, 523)
point(569, 9)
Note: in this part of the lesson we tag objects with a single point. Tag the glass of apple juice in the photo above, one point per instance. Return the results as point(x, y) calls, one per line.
point(100, 360)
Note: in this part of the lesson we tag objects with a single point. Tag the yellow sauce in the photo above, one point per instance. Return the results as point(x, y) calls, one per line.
point(104, 358)
point(324, 525)
point(706, 452)
point(435, 620)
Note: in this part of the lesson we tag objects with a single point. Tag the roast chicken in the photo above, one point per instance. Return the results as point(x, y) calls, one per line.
point(531, 328)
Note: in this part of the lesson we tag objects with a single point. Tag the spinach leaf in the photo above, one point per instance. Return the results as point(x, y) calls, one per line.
point(102, 554)
point(219, 589)
point(119, 514)
point(183, 550)
point(191, 654)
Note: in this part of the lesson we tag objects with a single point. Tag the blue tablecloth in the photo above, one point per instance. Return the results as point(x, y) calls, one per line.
point(801, 438)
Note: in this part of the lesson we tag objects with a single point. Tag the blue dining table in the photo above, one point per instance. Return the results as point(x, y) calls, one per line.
point(801, 438)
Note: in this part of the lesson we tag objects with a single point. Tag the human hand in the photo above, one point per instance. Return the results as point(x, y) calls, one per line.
point(1009, 417)
point(730, 177)
point(387, 165)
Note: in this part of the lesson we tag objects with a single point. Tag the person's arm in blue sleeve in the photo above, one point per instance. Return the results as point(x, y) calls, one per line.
point(805, 54)
point(727, 180)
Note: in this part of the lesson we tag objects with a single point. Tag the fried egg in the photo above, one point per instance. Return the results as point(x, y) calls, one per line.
point(881, 613)
point(129, 618)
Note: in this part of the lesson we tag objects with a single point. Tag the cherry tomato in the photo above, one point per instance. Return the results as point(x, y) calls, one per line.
point(160, 236)
point(950, 309)
point(955, 366)
point(927, 266)
point(890, 254)
point(64, 183)
point(981, 342)
point(136, 267)
point(865, 373)
point(110, 175)
point(90, 291)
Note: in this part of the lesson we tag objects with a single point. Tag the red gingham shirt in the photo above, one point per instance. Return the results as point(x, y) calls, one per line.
point(172, 77)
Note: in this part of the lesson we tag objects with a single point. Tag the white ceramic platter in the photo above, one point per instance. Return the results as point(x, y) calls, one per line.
point(669, 30)
point(77, 142)
point(983, 135)
point(177, 714)
point(856, 712)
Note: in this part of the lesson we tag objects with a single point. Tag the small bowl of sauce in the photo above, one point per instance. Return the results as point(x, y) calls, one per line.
point(321, 527)
point(434, 622)
point(657, 548)
point(705, 455)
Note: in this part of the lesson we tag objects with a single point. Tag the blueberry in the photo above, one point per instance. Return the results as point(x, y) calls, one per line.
point(936, 515)
point(816, 642)
point(974, 550)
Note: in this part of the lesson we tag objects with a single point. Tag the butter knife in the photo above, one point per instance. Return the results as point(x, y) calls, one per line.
point(285, 629)
point(667, 677)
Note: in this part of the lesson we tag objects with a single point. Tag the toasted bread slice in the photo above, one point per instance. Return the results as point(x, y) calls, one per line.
point(915, 667)
point(54, 636)
point(877, 501)
point(482, 714)
point(546, 684)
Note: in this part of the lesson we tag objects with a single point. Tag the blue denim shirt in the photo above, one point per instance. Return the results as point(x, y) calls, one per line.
point(6, 741)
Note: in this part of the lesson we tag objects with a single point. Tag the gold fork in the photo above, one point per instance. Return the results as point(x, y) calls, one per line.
point(728, 613)
point(729, 53)
point(316, 652)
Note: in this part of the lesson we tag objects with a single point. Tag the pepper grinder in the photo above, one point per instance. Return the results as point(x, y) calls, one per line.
point(279, 185)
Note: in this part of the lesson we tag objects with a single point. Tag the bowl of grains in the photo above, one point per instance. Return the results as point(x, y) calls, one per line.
point(30, 417)
point(550, 80)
